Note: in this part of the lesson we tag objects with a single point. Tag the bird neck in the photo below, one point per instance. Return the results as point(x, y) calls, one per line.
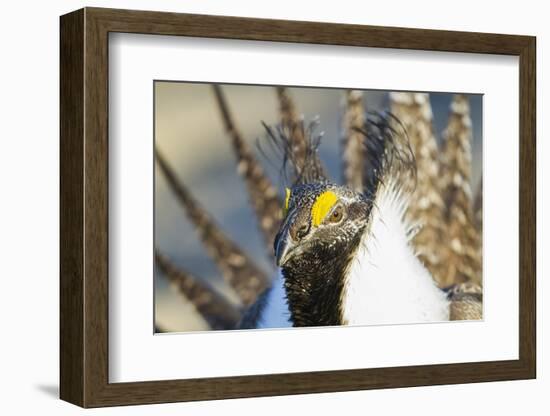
point(386, 282)
point(315, 287)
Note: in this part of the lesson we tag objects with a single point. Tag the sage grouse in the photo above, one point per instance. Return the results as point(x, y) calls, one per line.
point(399, 242)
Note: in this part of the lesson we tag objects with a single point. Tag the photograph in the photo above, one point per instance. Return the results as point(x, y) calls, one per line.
point(294, 206)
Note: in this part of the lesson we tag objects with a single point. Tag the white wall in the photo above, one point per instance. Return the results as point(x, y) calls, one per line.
point(29, 209)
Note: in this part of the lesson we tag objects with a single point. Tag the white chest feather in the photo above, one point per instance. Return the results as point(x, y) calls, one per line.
point(386, 283)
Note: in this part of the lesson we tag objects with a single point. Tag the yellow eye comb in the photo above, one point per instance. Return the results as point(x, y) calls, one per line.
point(287, 200)
point(322, 206)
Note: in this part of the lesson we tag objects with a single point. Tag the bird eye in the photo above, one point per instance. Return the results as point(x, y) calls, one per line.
point(337, 214)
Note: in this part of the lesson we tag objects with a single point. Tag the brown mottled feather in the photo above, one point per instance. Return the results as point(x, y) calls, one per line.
point(463, 262)
point(466, 302)
point(352, 140)
point(216, 310)
point(292, 123)
point(426, 207)
point(237, 268)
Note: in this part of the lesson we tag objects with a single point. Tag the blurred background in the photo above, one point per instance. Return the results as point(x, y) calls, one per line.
point(190, 134)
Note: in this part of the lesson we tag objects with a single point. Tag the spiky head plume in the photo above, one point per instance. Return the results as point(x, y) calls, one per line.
point(304, 167)
point(387, 151)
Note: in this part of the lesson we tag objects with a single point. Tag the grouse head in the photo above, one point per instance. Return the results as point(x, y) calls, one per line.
point(322, 221)
point(321, 231)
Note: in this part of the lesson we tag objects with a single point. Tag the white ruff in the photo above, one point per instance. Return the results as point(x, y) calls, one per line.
point(386, 282)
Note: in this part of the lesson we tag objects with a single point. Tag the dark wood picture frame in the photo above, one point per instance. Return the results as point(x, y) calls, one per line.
point(84, 207)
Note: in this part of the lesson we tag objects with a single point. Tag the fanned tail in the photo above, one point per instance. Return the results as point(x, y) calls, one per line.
point(239, 271)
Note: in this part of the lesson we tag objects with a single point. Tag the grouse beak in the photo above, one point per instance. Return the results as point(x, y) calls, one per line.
point(284, 247)
point(283, 251)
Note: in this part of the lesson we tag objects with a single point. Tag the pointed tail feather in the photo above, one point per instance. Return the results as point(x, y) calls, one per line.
point(237, 268)
point(216, 310)
point(464, 256)
point(292, 123)
point(262, 193)
point(352, 140)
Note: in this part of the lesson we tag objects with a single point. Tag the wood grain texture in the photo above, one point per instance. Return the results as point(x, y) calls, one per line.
point(527, 208)
point(84, 207)
point(71, 213)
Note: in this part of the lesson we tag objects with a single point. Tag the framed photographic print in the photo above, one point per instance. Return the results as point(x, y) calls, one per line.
point(259, 207)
